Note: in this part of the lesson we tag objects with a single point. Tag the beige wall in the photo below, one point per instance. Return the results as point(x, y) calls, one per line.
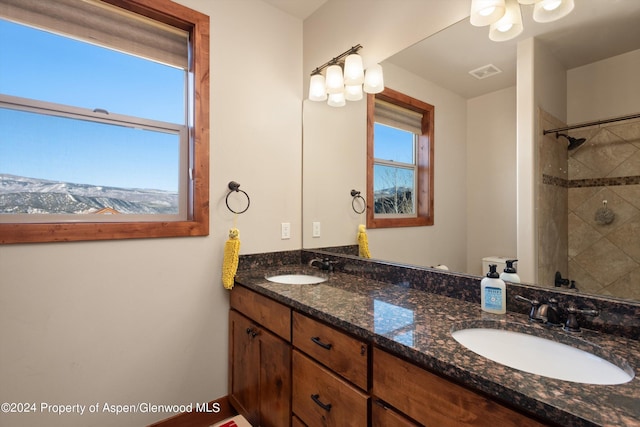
point(491, 177)
point(604, 89)
point(125, 322)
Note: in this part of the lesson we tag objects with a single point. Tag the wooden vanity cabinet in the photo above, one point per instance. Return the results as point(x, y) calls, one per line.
point(287, 369)
point(432, 400)
point(260, 358)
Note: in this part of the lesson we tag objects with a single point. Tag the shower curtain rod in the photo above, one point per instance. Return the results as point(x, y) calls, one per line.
point(598, 122)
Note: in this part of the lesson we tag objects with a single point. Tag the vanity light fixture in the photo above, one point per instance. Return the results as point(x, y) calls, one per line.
point(345, 79)
point(505, 16)
point(510, 25)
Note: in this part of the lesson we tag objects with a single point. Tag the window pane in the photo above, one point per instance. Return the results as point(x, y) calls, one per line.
point(40, 65)
point(393, 190)
point(393, 144)
point(58, 165)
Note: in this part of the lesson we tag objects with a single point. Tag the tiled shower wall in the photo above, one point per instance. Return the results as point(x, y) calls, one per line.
point(603, 257)
point(551, 206)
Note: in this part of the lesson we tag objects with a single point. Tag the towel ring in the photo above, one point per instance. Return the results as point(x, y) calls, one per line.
point(235, 187)
point(356, 196)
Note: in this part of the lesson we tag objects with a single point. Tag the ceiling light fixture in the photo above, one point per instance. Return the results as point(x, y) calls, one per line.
point(345, 79)
point(505, 16)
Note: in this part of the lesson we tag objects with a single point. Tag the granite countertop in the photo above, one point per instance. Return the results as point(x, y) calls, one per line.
point(418, 325)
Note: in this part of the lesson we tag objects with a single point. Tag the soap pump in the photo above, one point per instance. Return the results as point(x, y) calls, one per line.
point(509, 274)
point(493, 292)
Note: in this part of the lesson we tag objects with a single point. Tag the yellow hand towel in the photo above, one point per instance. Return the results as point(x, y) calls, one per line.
point(230, 261)
point(363, 242)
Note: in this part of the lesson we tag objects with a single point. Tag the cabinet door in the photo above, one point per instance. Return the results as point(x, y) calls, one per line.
point(259, 373)
point(244, 363)
point(275, 380)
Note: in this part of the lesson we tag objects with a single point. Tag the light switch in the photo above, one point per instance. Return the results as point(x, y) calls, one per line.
point(285, 230)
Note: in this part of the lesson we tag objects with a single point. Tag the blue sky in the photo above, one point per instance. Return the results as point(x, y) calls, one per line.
point(39, 65)
point(397, 145)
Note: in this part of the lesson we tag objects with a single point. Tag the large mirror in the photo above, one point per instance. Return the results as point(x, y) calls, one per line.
point(479, 163)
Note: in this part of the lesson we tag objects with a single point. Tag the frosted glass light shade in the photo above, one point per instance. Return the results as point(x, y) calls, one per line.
point(334, 79)
point(317, 89)
point(337, 99)
point(486, 12)
point(527, 1)
point(353, 92)
point(510, 25)
point(374, 79)
point(353, 71)
point(551, 10)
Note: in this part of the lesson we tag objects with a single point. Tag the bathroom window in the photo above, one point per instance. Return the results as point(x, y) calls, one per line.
point(102, 137)
point(399, 161)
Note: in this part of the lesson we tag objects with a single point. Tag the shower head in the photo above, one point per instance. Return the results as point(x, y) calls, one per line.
point(573, 142)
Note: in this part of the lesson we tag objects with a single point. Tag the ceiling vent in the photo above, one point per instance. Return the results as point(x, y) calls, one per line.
point(485, 71)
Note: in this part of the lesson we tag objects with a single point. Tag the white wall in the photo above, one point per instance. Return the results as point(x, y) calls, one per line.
point(604, 89)
point(334, 163)
point(491, 177)
point(126, 322)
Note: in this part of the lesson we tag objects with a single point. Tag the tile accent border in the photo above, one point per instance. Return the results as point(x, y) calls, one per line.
point(590, 182)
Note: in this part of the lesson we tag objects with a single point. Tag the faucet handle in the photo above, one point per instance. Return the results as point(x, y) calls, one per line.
point(572, 321)
point(535, 304)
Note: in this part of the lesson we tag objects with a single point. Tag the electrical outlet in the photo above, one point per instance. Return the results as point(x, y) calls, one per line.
point(316, 229)
point(285, 230)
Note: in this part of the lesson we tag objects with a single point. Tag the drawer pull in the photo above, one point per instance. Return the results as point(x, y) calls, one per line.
point(325, 406)
point(253, 332)
point(320, 343)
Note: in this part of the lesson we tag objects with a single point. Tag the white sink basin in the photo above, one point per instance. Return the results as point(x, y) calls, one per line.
point(541, 356)
point(296, 279)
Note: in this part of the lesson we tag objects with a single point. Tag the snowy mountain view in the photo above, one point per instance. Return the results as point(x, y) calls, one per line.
point(20, 195)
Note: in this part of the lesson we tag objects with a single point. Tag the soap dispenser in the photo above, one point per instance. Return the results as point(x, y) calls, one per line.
point(493, 292)
point(509, 274)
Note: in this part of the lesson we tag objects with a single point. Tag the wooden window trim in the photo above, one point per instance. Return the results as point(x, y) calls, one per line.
point(198, 223)
point(424, 191)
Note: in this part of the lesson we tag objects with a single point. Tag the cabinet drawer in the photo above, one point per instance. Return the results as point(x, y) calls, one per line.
point(265, 311)
point(322, 399)
point(432, 400)
point(382, 416)
point(343, 354)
